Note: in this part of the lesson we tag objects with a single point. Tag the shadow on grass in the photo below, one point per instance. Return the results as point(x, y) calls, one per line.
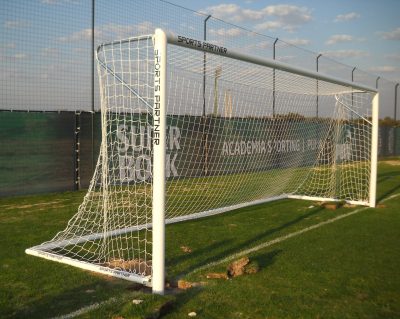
point(235, 248)
point(382, 178)
point(267, 259)
point(263, 260)
point(388, 193)
point(65, 302)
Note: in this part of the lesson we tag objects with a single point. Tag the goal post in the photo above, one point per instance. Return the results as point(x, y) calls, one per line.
point(193, 129)
point(374, 150)
point(159, 154)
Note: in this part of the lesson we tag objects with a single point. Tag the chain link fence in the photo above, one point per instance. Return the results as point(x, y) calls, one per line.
point(49, 99)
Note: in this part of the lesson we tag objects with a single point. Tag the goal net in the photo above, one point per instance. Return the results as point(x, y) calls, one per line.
point(238, 131)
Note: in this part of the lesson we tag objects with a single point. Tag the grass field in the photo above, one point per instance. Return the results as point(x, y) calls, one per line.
point(345, 269)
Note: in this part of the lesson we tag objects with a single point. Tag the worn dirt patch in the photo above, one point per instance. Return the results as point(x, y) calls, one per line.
point(41, 205)
point(392, 162)
point(138, 266)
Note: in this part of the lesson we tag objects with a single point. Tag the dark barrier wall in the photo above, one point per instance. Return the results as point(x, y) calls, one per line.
point(212, 146)
point(38, 151)
point(389, 141)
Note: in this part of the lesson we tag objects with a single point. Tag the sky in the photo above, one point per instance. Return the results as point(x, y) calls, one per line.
point(46, 53)
point(361, 33)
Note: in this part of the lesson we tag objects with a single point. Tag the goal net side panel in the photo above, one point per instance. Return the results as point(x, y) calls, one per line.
point(111, 232)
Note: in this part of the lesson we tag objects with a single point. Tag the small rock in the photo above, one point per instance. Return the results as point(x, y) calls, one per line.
point(182, 284)
point(312, 206)
point(237, 267)
point(331, 206)
point(192, 314)
point(137, 301)
point(89, 291)
point(186, 249)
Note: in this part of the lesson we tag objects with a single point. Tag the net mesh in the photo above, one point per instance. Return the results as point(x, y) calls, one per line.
point(237, 134)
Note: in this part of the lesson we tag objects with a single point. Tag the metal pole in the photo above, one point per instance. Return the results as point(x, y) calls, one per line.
point(395, 101)
point(376, 83)
point(92, 89)
point(352, 94)
point(205, 66)
point(317, 63)
point(273, 78)
point(204, 118)
point(395, 118)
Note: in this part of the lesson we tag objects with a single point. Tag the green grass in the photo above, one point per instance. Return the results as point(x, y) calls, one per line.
point(347, 269)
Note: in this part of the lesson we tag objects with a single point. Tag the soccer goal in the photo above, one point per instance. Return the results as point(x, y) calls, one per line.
point(192, 129)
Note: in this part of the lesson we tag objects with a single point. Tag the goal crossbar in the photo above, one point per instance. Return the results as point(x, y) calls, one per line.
point(274, 64)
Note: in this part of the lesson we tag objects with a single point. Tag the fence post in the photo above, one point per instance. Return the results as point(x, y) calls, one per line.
point(92, 91)
point(273, 79)
point(395, 101)
point(204, 117)
point(77, 150)
point(317, 63)
point(352, 94)
point(204, 65)
point(395, 118)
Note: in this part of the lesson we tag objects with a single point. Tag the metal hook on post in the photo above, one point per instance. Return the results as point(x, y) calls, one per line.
point(274, 48)
point(376, 83)
point(318, 56)
point(352, 74)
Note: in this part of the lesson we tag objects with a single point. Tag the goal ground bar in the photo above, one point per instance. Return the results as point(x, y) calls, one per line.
point(144, 280)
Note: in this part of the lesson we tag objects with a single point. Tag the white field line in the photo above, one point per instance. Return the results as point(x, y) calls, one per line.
point(227, 259)
point(285, 237)
point(86, 309)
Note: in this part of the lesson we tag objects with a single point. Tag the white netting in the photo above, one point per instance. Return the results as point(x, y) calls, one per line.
point(237, 133)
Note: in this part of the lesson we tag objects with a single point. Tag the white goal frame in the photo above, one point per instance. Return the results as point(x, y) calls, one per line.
point(160, 41)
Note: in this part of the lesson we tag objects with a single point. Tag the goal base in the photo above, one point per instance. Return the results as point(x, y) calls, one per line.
point(323, 199)
point(144, 280)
